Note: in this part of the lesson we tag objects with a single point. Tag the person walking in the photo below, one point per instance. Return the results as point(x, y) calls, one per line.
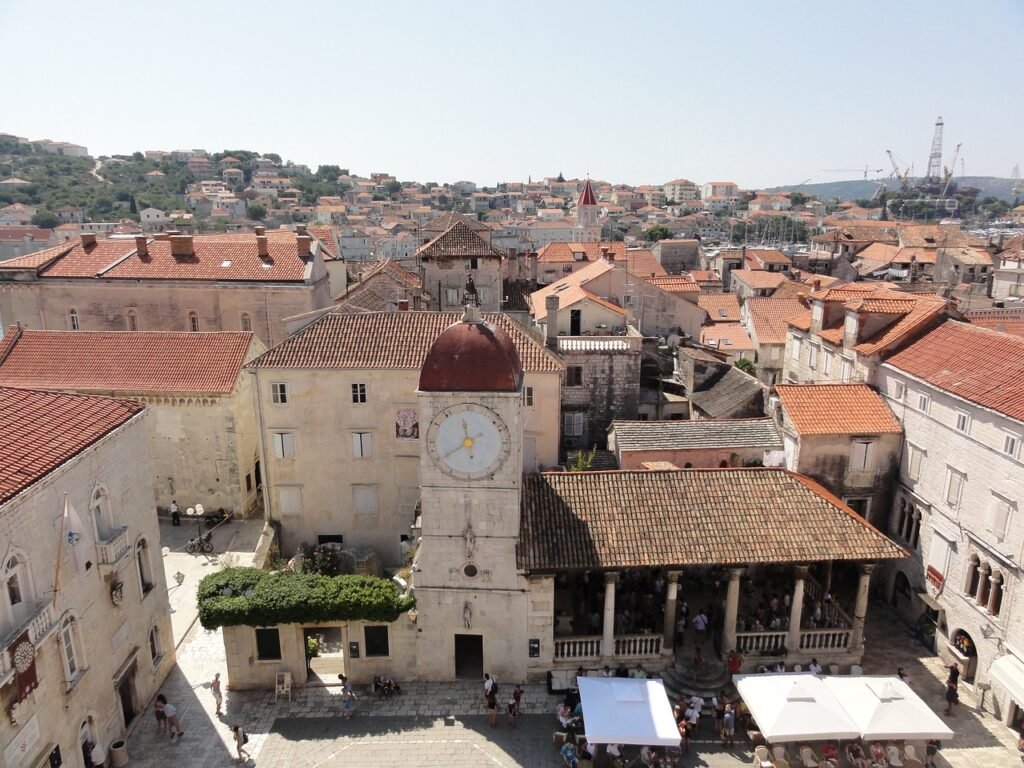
point(175, 513)
point(489, 685)
point(348, 704)
point(492, 706)
point(700, 625)
point(728, 727)
point(173, 726)
point(241, 739)
point(952, 698)
point(931, 749)
point(161, 716)
point(215, 689)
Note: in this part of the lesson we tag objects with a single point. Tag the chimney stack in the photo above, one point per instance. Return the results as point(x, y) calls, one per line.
point(816, 286)
point(181, 245)
point(302, 244)
point(88, 238)
point(162, 236)
point(606, 253)
point(417, 297)
point(551, 321)
point(300, 229)
point(533, 270)
point(260, 231)
point(403, 305)
point(141, 245)
point(261, 246)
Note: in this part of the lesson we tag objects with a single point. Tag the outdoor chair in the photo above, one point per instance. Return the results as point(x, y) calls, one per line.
point(797, 668)
point(910, 753)
point(780, 758)
point(856, 670)
point(892, 754)
point(761, 758)
point(833, 669)
point(808, 757)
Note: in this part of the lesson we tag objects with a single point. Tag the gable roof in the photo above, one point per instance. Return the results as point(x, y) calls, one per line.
point(758, 279)
point(678, 284)
point(977, 364)
point(457, 242)
point(733, 390)
point(1003, 320)
point(124, 361)
point(443, 223)
point(836, 409)
point(768, 315)
point(627, 519)
point(721, 307)
point(42, 430)
point(379, 288)
point(566, 287)
point(726, 337)
point(693, 435)
point(343, 340)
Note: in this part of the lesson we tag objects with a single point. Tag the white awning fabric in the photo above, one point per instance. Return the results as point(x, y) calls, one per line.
point(1008, 671)
point(795, 707)
point(625, 711)
point(887, 708)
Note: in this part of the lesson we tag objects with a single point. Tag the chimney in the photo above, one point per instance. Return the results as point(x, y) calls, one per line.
point(816, 286)
point(417, 297)
point(261, 246)
point(533, 269)
point(181, 245)
point(88, 238)
point(300, 229)
point(141, 245)
point(551, 321)
point(260, 231)
point(162, 236)
point(303, 244)
point(403, 305)
point(606, 253)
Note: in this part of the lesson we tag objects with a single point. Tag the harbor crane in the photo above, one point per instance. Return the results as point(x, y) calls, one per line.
point(903, 176)
point(865, 170)
point(949, 171)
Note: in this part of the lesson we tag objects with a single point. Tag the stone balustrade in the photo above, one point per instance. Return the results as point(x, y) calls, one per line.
point(582, 647)
point(825, 639)
point(760, 643)
point(114, 548)
point(588, 647)
point(637, 646)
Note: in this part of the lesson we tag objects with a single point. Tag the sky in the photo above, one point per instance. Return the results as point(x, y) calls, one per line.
point(638, 92)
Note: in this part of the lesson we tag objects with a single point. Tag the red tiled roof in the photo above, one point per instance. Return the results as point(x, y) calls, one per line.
point(587, 195)
point(560, 252)
point(836, 409)
point(389, 340)
point(42, 430)
point(726, 337)
point(768, 316)
point(1003, 320)
point(614, 520)
point(758, 279)
point(17, 234)
point(674, 283)
point(925, 312)
point(977, 364)
point(458, 241)
point(125, 361)
point(721, 307)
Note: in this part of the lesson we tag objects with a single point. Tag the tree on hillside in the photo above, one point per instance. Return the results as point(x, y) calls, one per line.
point(273, 156)
point(256, 212)
point(45, 219)
point(798, 198)
point(328, 172)
point(657, 232)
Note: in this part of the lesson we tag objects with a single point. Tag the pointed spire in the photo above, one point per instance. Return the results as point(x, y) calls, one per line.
point(587, 195)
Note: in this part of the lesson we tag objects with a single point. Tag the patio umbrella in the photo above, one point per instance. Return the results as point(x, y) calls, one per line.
point(624, 711)
point(887, 708)
point(795, 707)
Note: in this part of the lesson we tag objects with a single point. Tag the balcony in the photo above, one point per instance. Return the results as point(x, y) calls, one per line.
point(114, 548)
point(40, 625)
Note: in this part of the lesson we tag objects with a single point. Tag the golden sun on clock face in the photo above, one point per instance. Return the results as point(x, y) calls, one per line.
point(468, 442)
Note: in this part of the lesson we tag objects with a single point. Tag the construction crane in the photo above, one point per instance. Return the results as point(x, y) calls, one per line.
point(1017, 186)
point(950, 170)
point(903, 176)
point(865, 170)
point(935, 156)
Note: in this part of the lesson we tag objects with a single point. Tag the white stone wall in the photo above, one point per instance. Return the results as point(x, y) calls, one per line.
point(108, 637)
point(988, 473)
point(441, 277)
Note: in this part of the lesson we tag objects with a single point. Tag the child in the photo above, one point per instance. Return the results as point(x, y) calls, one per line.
point(161, 716)
point(215, 688)
point(241, 738)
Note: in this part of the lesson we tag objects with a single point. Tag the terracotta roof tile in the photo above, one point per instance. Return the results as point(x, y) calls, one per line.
point(759, 279)
point(674, 283)
point(458, 241)
point(389, 340)
point(980, 365)
point(768, 316)
point(721, 307)
point(726, 337)
point(1003, 320)
point(614, 520)
point(42, 430)
point(443, 223)
point(692, 435)
point(836, 409)
point(125, 361)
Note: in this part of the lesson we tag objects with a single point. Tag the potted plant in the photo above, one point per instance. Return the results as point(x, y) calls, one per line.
point(312, 650)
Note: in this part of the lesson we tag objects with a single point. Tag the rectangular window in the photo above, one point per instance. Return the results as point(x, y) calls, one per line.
point(812, 357)
point(914, 459)
point(574, 376)
point(289, 501)
point(862, 456)
point(362, 445)
point(330, 538)
point(376, 639)
point(364, 499)
point(474, 262)
point(67, 641)
point(963, 421)
point(268, 644)
point(923, 403)
point(73, 320)
point(954, 487)
point(193, 322)
point(246, 323)
point(1011, 444)
point(794, 349)
point(898, 390)
point(451, 296)
point(938, 555)
point(826, 363)
point(1001, 511)
point(279, 393)
point(358, 393)
point(573, 423)
point(528, 397)
point(284, 445)
point(845, 370)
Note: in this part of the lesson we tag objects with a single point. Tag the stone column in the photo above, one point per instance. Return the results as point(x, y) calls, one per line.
point(796, 608)
point(732, 609)
point(668, 629)
point(860, 608)
point(608, 627)
point(995, 593)
point(981, 597)
point(826, 579)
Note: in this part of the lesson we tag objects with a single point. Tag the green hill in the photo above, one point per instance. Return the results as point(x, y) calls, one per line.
point(859, 189)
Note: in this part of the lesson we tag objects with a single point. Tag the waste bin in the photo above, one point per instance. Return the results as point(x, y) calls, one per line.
point(118, 754)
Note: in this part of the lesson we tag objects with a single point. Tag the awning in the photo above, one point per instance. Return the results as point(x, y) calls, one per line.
point(930, 601)
point(1008, 671)
point(625, 711)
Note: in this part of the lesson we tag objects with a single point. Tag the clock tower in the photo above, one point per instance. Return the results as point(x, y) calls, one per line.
point(471, 600)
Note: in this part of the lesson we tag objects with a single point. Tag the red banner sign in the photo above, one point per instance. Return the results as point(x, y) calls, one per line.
point(934, 577)
point(24, 656)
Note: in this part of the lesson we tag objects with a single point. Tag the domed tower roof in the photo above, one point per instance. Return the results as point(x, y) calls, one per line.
point(471, 356)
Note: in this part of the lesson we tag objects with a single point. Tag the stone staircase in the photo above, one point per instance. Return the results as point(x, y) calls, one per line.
point(680, 680)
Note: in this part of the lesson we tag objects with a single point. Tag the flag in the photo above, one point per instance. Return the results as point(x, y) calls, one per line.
point(75, 535)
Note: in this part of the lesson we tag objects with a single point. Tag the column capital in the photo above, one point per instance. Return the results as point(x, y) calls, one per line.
point(735, 573)
point(866, 569)
point(800, 571)
point(674, 576)
point(985, 567)
point(610, 577)
point(996, 577)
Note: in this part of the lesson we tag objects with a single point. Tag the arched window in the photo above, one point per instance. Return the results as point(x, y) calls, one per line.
point(145, 567)
point(133, 320)
point(73, 319)
point(246, 322)
point(193, 322)
point(102, 514)
point(17, 590)
point(971, 583)
point(71, 649)
point(995, 598)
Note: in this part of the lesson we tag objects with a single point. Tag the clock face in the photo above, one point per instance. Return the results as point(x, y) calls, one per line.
point(468, 442)
point(23, 656)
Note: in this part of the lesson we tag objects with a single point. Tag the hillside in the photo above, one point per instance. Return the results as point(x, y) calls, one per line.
point(857, 189)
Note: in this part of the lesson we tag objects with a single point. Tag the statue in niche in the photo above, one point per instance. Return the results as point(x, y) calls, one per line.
point(467, 615)
point(470, 540)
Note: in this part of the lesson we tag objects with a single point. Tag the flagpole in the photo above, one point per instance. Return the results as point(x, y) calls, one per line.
point(60, 549)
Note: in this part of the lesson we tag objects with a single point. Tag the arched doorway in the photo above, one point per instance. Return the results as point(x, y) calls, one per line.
point(966, 655)
point(901, 593)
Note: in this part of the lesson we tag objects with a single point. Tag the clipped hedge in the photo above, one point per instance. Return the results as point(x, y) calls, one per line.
point(296, 598)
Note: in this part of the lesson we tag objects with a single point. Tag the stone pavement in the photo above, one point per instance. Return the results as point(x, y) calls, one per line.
point(445, 724)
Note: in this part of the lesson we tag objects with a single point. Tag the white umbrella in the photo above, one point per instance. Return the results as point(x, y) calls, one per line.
point(795, 707)
point(623, 711)
point(887, 708)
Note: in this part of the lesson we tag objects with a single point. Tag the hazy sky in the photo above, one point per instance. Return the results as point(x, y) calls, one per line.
point(639, 92)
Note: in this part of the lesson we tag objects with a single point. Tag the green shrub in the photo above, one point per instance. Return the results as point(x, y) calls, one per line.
point(294, 598)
